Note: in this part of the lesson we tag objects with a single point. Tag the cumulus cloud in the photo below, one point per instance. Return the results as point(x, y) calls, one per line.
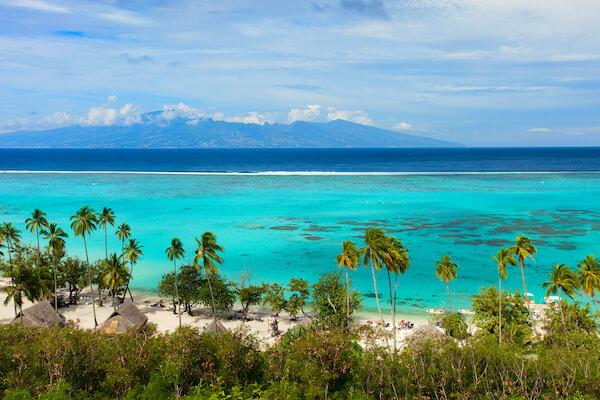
point(310, 113)
point(252, 118)
point(539, 130)
point(358, 116)
point(402, 126)
point(108, 116)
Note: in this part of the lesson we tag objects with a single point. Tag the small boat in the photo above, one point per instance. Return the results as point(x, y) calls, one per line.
point(464, 311)
point(435, 311)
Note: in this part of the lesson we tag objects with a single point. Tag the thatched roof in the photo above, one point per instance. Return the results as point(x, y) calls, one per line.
point(215, 328)
point(125, 317)
point(41, 314)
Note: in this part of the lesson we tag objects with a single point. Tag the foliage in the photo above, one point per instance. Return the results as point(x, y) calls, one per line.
point(300, 290)
point(329, 300)
point(274, 297)
point(515, 317)
point(577, 317)
point(249, 295)
point(223, 291)
point(455, 326)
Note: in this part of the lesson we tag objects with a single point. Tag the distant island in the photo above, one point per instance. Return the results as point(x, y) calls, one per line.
point(186, 133)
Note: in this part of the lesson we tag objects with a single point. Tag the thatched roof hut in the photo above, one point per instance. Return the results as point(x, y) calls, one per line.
point(126, 317)
point(217, 327)
point(41, 315)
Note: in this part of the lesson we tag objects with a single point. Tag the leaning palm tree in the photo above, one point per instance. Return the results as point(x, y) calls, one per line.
point(11, 235)
point(446, 271)
point(123, 232)
point(133, 252)
point(589, 277)
point(395, 259)
point(561, 279)
point(349, 259)
point(106, 217)
point(373, 250)
point(56, 242)
point(84, 223)
point(504, 258)
point(174, 253)
point(523, 249)
point(36, 224)
point(116, 275)
point(207, 253)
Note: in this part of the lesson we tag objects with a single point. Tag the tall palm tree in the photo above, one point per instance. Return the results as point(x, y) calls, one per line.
point(11, 235)
point(123, 232)
point(589, 277)
point(561, 278)
point(372, 256)
point(106, 217)
point(396, 261)
point(504, 258)
point(174, 253)
point(84, 223)
point(56, 242)
point(524, 249)
point(133, 252)
point(116, 275)
point(37, 223)
point(207, 253)
point(446, 271)
point(349, 259)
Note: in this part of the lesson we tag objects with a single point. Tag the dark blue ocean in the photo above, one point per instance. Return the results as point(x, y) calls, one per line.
point(327, 160)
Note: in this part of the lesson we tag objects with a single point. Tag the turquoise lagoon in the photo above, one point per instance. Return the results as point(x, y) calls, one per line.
point(283, 226)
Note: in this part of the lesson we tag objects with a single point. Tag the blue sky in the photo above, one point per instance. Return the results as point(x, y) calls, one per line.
point(479, 72)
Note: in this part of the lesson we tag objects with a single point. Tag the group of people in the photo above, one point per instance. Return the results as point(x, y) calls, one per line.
point(401, 325)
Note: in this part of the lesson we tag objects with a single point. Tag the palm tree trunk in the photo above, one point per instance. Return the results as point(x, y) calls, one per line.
point(37, 232)
point(562, 316)
point(376, 294)
point(392, 308)
point(177, 305)
point(449, 299)
point(212, 296)
point(595, 301)
point(55, 286)
point(105, 244)
point(526, 297)
point(347, 299)
point(499, 308)
point(128, 279)
point(90, 281)
point(12, 274)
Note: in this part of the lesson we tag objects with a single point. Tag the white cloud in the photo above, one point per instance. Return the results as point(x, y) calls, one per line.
point(310, 113)
point(112, 99)
point(358, 116)
point(252, 118)
point(36, 5)
point(124, 17)
point(539, 130)
point(402, 126)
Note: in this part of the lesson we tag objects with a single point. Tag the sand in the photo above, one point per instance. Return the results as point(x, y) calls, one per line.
point(167, 321)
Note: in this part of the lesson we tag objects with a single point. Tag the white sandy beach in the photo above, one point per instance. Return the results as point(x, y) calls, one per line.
point(166, 321)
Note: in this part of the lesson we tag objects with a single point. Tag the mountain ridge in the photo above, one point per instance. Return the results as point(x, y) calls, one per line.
point(207, 133)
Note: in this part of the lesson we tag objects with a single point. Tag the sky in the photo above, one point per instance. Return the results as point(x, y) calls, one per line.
point(478, 72)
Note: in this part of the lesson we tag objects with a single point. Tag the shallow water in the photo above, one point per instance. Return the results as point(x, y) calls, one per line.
point(293, 226)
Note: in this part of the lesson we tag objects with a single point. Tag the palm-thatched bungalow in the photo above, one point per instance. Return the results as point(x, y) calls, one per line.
point(217, 327)
point(40, 315)
point(124, 318)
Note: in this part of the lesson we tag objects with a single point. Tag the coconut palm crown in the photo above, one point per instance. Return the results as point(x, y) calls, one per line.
point(588, 275)
point(36, 224)
point(446, 271)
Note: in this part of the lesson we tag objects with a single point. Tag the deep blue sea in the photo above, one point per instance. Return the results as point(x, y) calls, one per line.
point(464, 202)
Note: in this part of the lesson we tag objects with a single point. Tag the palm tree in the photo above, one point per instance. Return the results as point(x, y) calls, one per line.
point(116, 275)
point(207, 252)
point(23, 282)
point(503, 258)
point(133, 251)
point(37, 223)
point(84, 223)
point(395, 259)
point(11, 235)
point(446, 271)
point(106, 217)
point(123, 232)
point(372, 256)
point(174, 253)
point(56, 242)
point(349, 259)
point(589, 277)
point(561, 278)
point(523, 249)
